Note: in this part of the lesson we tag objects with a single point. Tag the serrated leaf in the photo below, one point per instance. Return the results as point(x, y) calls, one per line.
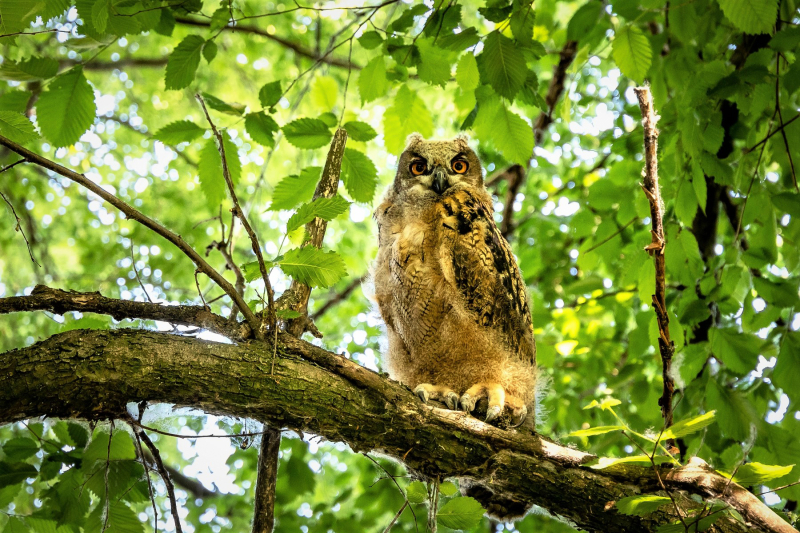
point(513, 136)
point(372, 82)
point(182, 63)
point(34, 68)
point(737, 351)
point(78, 434)
point(314, 267)
point(435, 63)
point(270, 94)
point(66, 109)
point(122, 475)
point(448, 488)
point(296, 189)
point(370, 40)
point(584, 20)
point(599, 430)
point(360, 131)
point(751, 16)
point(416, 492)
point(359, 175)
point(324, 92)
point(20, 448)
point(252, 270)
point(632, 53)
point(324, 208)
point(503, 65)
point(641, 505)
point(122, 448)
point(100, 11)
point(261, 127)
point(467, 75)
point(179, 132)
point(700, 187)
point(307, 133)
point(210, 51)
point(757, 473)
point(459, 41)
point(406, 116)
point(460, 513)
point(209, 169)
point(220, 18)
point(605, 462)
point(13, 473)
point(223, 107)
point(121, 519)
point(687, 427)
point(287, 314)
point(17, 127)
point(329, 119)
point(787, 370)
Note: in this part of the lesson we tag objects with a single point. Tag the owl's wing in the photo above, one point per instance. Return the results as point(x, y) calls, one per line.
point(485, 272)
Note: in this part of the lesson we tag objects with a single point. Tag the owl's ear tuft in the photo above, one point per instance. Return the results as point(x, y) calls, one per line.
point(462, 139)
point(414, 138)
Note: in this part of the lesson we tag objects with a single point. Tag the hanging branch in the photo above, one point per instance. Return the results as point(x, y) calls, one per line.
point(173, 504)
point(264, 513)
point(656, 247)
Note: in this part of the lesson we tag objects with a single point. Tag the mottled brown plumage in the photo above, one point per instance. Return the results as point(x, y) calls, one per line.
point(448, 287)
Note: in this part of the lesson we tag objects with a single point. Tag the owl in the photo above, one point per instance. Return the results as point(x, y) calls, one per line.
point(449, 289)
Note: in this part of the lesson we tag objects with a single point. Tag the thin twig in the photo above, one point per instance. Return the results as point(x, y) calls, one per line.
point(396, 516)
point(780, 119)
point(146, 465)
point(136, 271)
point(165, 476)
point(105, 478)
point(765, 139)
point(396, 484)
point(339, 297)
point(620, 230)
point(18, 227)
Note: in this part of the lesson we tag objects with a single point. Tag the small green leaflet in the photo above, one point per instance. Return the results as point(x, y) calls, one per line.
point(261, 127)
point(20, 448)
point(35, 68)
point(314, 267)
point(11, 474)
point(220, 17)
point(605, 462)
point(183, 62)
point(460, 513)
point(360, 131)
point(209, 169)
point(17, 127)
point(223, 107)
point(66, 109)
point(406, 116)
point(372, 82)
point(512, 136)
point(210, 51)
point(757, 473)
point(448, 488)
point(179, 132)
point(459, 41)
point(504, 65)
point(641, 505)
point(329, 119)
point(121, 518)
point(252, 270)
point(687, 427)
point(751, 16)
point(584, 20)
point(599, 430)
point(370, 40)
point(270, 94)
point(287, 314)
point(605, 404)
point(100, 14)
point(632, 52)
point(307, 133)
point(359, 175)
point(467, 74)
point(434, 66)
point(296, 189)
point(416, 492)
point(324, 208)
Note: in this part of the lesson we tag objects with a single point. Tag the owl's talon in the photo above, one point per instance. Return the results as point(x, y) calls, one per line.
point(467, 403)
point(518, 416)
point(493, 412)
point(422, 393)
point(451, 400)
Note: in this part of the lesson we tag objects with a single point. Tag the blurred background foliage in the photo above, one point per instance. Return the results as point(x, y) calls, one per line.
point(108, 88)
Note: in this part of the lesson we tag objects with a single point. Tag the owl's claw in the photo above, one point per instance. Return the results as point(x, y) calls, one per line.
point(493, 412)
point(451, 400)
point(467, 403)
point(518, 416)
point(444, 394)
point(421, 391)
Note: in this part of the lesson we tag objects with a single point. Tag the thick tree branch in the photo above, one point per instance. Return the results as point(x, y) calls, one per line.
point(95, 374)
point(143, 219)
point(58, 301)
point(299, 49)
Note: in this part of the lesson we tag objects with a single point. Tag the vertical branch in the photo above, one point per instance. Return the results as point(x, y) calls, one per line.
point(264, 514)
point(656, 247)
point(173, 504)
point(326, 188)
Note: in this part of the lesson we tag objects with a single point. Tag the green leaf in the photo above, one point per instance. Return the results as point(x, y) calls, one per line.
point(13, 473)
point(687, 427)
point(122, 448)
point(608, 403)
point(448, 488)
point(599, 430)
point(121, 519)
point(314, 267)
point(329, 119)
point(467, 75)
point(503, 64)
point(736, 416)
point(78, 434)
point(416, 492)
point(460, 513)
point(737, 351)
point(296, 189)
point(584, 20)
point(509, 133)
point(787, 370)
point(521, 23)
point(459, 41)
point(751, 16)
point(100, 11)
point(307, 133)
point(252, 270)
point(324, 208)
point(372, 82)
point(686, 204)
point(34, 68)
point(406, 20)
point(182, 63)
point(780, 293)
point(122, 475)
point(324, 93)
point(359, 175)
point(261, 127)
point(360, 131)
point(223, 107)
point(210, 51)
point(786, 40)
point(20, 448)
point(757, 473)
point(641, 505)
point(17, 127)
point(435, 63)
point(270, 94)
point(209, 169)
point(632, 52)
point(179, 132)
point(220, 17)
point(406, 116)
point(66, 109)
point(287, 314)
point(605, 462)
point(370, 40)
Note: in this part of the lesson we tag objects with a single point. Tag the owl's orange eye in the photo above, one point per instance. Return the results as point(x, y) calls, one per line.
point(418, 167)
point(460, 166)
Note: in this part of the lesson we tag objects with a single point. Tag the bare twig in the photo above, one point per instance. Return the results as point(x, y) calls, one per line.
point(140, 453)
point(656, 248)
point(780, 119)
point(620, 230)
point(339, 297)
point(136, 271)
point(396, 484)
point(264, 514)
point(143, 219)
point(165, 476)
point(770, 134)
point(396, 516)
point(18, 227)
point(105, 474)
point(237, 211)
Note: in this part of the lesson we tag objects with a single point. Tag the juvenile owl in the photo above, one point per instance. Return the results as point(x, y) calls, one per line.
point(448, 287)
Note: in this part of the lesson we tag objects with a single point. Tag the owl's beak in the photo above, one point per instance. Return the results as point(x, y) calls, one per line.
point(440, 183)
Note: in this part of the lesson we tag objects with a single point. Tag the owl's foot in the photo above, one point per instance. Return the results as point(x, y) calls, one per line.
point(498, 400)
point(426, 391)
